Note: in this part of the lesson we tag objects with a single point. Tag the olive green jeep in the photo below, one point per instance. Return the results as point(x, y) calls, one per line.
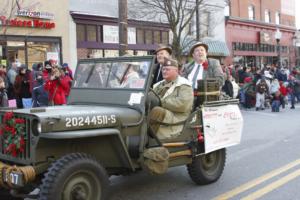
point(69, 152)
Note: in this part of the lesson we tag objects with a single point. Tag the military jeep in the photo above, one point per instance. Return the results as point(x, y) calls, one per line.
point(69, 151)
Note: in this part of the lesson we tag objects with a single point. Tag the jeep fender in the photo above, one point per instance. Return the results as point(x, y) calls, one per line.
point(113, 134)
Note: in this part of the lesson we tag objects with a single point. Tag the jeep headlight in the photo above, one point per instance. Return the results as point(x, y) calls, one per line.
point(36, 127)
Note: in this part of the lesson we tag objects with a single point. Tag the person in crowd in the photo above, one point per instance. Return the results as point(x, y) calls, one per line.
point(3, 94)
point(275, 102)
point(283, 94)
point(274, 86)
point(3, 75)
point(202, 68)
point(47, 71)
point(11, 77)
point(228, 87)
point(261, 92)
point(294, 90)
point(22, 86)
point(56, 88)
point(244, 73)
point(247, 93)
point(39, 94)
point(161, 52)
point(66, 80)
point(67, 70)
point(176, 95)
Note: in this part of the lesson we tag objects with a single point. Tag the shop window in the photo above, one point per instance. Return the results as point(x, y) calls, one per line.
point(149, 37)
point(16, 51)
point(111, 53)
point(267, 16)
point(164, 37)
point(157, 39)
point(251, 12)
point(80, 31)
point(277, 18)
point(38, 52)
point(140, 36)
point(234, 46)
point(91, 31)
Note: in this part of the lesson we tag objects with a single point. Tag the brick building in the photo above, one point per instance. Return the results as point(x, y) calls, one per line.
point(251, 28)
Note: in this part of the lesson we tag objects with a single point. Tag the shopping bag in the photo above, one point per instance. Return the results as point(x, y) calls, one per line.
point(12, 103)
point(27, 102)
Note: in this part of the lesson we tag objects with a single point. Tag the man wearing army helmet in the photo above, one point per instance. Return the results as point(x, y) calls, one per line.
point(161, 52)
point(176, 97)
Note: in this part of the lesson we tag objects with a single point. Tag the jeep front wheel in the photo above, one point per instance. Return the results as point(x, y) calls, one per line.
point(207, 168)
point(75, 177)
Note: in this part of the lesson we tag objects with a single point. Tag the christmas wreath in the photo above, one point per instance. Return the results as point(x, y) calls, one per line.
point(14, 134)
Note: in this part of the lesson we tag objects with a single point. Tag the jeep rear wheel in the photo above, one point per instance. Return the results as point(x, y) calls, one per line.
point(207, 168)
point(75, 177)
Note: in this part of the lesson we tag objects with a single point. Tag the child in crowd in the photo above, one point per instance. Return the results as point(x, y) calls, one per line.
point(275, 102)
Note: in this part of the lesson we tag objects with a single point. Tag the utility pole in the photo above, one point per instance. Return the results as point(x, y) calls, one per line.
point(123, 43)
point(197, 21)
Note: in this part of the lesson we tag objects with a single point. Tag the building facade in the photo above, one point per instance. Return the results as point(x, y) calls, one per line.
point(252, 32)
point(32, 31)
point(97, 32)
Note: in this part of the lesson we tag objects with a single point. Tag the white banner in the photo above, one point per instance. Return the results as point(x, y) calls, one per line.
point(222, 127)
point(111, 34)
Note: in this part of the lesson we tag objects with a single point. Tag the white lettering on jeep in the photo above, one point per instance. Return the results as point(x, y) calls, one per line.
point(90, 120)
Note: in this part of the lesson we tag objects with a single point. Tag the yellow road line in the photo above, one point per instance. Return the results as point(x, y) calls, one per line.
point(256, 181)
point(272, 186)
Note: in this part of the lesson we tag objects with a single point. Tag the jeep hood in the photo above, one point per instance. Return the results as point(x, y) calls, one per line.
point(76, 117)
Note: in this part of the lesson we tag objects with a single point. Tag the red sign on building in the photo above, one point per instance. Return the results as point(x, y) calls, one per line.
point(36, 23)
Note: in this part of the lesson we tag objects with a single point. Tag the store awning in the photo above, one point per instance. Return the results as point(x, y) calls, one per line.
point(217, 48)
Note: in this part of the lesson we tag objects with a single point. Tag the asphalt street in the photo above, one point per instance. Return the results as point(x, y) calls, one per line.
point(264, 166)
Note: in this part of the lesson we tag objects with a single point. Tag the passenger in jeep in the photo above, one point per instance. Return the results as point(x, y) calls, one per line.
point(176, 95)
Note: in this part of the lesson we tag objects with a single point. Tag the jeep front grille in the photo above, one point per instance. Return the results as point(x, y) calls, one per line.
point(25, 156)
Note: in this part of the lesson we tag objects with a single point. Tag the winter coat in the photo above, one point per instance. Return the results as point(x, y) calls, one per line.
point(57, 91)
point(22, 86)
point(3, 98)
point(262, 87)
point(178, 102)
point(214, 70)
point(67, 81)
point(39, 95)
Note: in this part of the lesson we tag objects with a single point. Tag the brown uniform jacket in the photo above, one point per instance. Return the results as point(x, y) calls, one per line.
point(178, 102)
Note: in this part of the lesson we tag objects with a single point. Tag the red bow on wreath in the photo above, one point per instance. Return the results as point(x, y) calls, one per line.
point(205, 65)
point(14, 134)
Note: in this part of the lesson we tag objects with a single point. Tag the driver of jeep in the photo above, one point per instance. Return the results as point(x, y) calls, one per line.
point(176, 97)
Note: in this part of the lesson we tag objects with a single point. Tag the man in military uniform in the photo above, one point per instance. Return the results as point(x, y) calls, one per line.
point(161, 52)
point(176, 95)
point(201, 67)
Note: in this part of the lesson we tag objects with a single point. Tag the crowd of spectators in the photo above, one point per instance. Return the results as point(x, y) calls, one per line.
point(270, 87)
point(43, 85)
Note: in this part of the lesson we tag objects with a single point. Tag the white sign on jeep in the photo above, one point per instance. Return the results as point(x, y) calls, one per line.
point(222, 127)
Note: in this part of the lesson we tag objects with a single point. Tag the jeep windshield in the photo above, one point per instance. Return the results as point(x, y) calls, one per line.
point(112, 81)
point(129, 74)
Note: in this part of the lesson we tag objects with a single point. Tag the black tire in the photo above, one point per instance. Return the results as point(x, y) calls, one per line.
point(75, 176)
point(208, 168)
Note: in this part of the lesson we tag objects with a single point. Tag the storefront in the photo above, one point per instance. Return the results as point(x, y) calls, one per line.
point(29, 50)
point(253, 43)
point(98, 36)
point(33, 31)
